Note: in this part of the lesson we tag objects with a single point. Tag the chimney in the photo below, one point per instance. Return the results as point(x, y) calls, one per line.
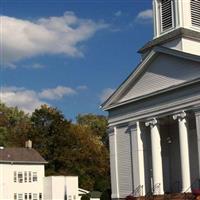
point(28, 144)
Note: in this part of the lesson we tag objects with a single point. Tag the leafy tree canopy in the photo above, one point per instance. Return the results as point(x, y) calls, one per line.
point(70, 148)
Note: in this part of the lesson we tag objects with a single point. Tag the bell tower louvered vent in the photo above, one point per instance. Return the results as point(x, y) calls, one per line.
point(195, 12)
point(167, 14)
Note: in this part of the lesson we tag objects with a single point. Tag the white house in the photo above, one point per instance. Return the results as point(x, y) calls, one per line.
point(22, 177)
point(154, 115)
point(21, 174)
point(61, 188)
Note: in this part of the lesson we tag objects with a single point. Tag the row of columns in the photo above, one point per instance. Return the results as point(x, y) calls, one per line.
point(157, 157)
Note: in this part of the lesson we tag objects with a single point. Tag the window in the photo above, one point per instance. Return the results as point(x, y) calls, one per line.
point(35, 196)
point(34, 176)
point(29, 177)
point(15, 177)
point(74, 197)
point(40, 196)
point(20, 177)
point(30, 196)
point(25, 177)
point(167, 14)
point(15, 196)
point(20, 196)
point(195, 12)
point(25, 196)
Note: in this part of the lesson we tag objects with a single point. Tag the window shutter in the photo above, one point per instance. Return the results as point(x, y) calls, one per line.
point(166, 14)
point(195, 12)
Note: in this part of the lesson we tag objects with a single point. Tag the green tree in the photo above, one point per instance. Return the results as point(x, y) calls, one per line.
point(97, 123)
point(90, 157)
point(70, 149)
point(15, 126)
point(50, 136)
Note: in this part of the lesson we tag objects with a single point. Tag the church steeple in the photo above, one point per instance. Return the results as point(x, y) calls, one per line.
point(172, 14)
point(176, 26)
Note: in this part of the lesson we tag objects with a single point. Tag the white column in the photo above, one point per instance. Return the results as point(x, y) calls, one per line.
point(156, 157)
point(140, 152)
point(197, 116)
point(138, 159)
point(114, 161)
point(184, 150)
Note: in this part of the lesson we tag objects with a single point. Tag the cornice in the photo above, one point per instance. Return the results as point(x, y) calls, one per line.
point(177, 33)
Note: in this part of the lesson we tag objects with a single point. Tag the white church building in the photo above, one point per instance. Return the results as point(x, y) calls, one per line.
point(154, 115)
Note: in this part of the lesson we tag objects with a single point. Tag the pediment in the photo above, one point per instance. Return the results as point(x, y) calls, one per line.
point(162, 71)
point(165, 71)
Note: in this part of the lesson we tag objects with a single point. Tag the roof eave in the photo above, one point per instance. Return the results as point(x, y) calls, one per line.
point(22, 162)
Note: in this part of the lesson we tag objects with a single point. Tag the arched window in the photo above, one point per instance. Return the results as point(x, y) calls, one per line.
point(195, 12)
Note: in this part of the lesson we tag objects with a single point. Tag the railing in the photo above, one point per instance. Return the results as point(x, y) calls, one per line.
point(138, 192)
point(188, 192)
point(155, 191)
point(149, 195)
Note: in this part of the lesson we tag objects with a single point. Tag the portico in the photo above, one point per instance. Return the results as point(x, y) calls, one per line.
point(171, 145)
point(164, 153)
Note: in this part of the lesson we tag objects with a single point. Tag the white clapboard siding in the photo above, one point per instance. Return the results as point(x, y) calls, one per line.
point(124, 162)
point(165, 71)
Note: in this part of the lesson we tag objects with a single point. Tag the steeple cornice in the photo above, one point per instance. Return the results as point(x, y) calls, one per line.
point(175, 34)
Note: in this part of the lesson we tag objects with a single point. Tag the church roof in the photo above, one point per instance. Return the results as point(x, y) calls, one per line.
point(180, 32)
point(114, 99)
point(21, 155)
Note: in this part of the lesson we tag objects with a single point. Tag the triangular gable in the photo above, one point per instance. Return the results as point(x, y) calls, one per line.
point(161, 69)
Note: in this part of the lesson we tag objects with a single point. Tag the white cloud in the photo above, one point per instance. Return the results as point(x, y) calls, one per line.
point(57, 93)
point(105, 94)
point(22, 39)
point(145, 16)
point(118, 13)
point(29, 100)
point(26, 100)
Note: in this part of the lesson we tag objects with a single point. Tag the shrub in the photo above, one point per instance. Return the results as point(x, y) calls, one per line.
point(129, 198)
point(85, 197)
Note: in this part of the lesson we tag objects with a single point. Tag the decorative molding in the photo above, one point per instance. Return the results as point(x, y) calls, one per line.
point(181, 115)
point(166, 109)
point(151, 122)
point(132, 127)
point(111, 130)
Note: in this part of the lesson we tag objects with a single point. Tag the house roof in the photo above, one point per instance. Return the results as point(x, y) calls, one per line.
point(21, 155)
point(110, 102)
point(180, 32)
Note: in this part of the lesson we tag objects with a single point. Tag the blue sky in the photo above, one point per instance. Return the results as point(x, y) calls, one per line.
point(69, 54)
